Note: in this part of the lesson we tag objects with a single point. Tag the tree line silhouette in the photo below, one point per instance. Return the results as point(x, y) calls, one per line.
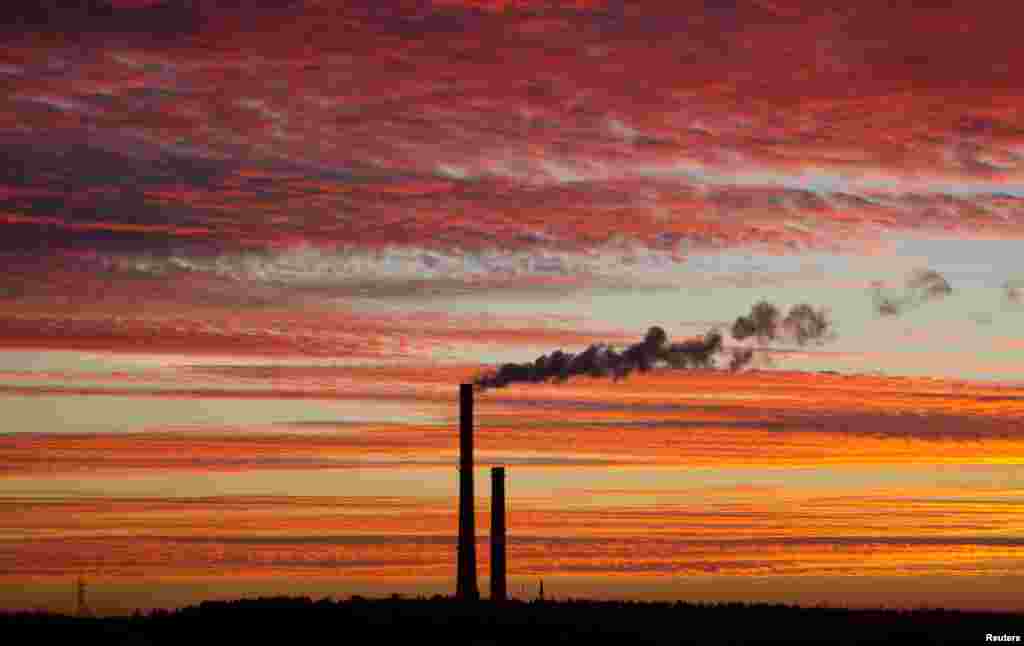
point(446, 621)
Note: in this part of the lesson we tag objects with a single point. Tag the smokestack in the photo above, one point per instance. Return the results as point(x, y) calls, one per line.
point(498, 583)
point(465, 587)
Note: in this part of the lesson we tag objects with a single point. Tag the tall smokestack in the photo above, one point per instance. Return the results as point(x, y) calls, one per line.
point(465, 587)
point(498, 583)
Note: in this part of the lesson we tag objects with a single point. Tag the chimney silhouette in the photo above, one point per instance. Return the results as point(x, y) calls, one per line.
point(465, 586)
point(498, 582)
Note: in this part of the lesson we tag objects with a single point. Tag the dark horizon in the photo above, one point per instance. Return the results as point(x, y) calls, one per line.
point(457, 621)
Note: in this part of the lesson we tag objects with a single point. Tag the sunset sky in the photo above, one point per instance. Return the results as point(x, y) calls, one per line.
point(251, 248)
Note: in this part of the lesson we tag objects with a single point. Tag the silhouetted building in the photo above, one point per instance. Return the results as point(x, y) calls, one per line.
point(465, 586)
point(499, 591)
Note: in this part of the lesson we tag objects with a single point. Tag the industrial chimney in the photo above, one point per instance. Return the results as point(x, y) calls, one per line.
point(465, 586)
point(498, 582)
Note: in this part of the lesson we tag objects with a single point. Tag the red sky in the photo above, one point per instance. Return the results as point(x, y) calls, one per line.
point(300, 151)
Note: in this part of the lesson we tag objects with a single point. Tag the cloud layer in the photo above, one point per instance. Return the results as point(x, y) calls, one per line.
point(194, 140)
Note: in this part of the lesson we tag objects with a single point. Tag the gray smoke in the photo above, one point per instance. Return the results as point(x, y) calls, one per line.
point(694, 353)
point(805, 324)
point(601, 360)
point(802, 325)
point(922, 285)
point(762, 322)
point(765, 323)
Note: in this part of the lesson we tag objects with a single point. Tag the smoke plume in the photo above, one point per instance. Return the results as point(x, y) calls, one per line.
point(803, 324)
point(601, 360)
point(922, 285)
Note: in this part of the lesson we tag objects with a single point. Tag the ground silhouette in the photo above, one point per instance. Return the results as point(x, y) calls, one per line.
point(446, 621)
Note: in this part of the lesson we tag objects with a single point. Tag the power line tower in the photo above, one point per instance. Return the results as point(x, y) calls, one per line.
point(81, 607)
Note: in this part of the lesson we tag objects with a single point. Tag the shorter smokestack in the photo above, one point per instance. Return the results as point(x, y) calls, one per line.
point(499, 591)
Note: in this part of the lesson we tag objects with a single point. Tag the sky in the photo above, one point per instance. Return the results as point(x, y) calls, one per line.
point(251, 248)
